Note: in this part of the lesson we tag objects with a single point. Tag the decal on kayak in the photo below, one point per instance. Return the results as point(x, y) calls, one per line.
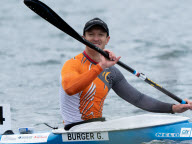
point(167, 134)
point(25, 138)
point(85, 136)
point(185, 132)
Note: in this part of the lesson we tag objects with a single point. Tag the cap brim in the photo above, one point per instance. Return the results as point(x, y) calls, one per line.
point(96, 24)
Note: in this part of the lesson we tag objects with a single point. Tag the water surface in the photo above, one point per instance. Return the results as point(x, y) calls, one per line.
point(153, 37)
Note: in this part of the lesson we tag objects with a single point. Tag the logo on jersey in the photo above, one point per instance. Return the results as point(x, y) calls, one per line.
point(105, 74)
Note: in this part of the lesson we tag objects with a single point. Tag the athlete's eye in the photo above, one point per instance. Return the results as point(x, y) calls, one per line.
point(102, 34)
point(90, 34)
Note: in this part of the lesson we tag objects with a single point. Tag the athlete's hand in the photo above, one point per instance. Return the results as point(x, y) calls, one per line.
point(179, 108)
point(105, 63)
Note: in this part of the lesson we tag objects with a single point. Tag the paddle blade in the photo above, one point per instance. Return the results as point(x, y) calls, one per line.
point(49, 15)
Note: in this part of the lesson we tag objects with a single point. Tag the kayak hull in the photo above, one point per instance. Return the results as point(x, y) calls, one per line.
point(122, 131)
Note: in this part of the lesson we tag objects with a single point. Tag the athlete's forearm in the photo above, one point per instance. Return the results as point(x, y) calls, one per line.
point(133, 96)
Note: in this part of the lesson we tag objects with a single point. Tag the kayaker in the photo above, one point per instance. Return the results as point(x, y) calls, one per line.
point(87, 78)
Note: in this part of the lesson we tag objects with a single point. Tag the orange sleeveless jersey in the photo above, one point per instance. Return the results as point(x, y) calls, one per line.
point(82, 92)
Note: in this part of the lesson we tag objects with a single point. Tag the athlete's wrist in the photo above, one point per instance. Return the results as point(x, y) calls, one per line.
point(101, 65)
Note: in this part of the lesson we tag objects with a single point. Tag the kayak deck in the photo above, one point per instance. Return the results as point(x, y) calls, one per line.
point(126, 123)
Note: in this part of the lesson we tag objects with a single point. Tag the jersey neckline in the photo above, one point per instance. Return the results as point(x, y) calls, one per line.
point(90, 59)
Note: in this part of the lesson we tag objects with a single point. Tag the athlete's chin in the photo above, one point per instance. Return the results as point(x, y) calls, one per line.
point(101, 47)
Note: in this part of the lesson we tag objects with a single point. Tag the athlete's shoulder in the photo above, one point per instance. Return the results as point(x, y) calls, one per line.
point(116, 73)
point(73, 62)
point(76, 59)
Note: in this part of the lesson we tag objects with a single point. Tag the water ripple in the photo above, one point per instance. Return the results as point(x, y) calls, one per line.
point(172, 54)
point(43, 63)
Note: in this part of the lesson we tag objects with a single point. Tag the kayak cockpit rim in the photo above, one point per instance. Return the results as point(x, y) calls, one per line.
point(126, 123)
